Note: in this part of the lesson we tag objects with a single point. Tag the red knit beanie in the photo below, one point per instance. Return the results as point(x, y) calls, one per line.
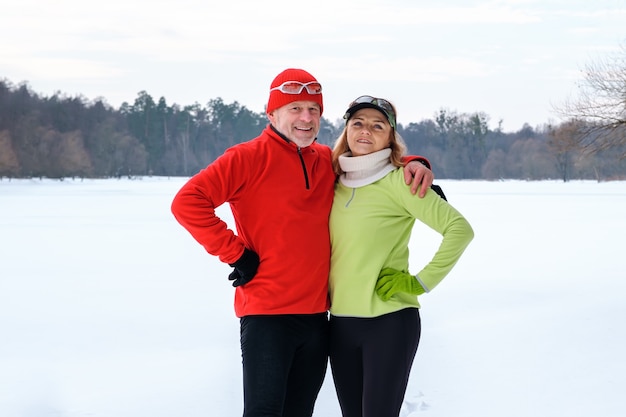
point(278, 99)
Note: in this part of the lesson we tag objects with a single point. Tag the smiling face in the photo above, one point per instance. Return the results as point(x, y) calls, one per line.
point(298, 121)
point(368, 130)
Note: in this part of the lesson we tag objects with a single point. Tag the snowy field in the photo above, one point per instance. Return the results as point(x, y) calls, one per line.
point(108, 308)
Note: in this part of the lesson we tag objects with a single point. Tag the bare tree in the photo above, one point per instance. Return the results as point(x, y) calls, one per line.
point(563, 144)
point(601, 104)
point(9, 164)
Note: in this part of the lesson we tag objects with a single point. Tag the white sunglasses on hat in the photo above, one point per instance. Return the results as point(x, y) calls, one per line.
point(296, 87)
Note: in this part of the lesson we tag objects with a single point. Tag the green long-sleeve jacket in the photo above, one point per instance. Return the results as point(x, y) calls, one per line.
point(370, 227)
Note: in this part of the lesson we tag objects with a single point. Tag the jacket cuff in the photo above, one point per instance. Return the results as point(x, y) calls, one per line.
point(422, 160)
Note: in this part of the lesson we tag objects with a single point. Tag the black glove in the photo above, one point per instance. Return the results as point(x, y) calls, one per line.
point(245, 268)
point(439, 191)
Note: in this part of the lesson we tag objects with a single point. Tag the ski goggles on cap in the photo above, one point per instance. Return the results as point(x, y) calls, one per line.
point(379, 104)
point(296, 87)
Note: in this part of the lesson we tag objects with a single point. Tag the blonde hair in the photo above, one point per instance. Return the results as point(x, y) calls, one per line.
point(396, 144)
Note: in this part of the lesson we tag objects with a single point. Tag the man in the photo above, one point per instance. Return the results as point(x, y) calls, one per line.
point(280, 189)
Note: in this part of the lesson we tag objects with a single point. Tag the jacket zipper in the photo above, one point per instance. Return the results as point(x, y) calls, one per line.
point(351, 198)
point(306, 174)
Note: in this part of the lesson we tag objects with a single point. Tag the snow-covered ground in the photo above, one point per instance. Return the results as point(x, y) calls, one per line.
point(108, 308)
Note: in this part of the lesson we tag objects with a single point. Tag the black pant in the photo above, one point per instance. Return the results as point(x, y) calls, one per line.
point(284, 363)
point(371, 360)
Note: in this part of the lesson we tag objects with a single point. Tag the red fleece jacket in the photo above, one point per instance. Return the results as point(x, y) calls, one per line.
point(280, 197)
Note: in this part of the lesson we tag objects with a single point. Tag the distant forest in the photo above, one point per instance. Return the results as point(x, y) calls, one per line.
point(61, 137)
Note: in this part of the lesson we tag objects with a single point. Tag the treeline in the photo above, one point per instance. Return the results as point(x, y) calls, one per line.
point(61, 136)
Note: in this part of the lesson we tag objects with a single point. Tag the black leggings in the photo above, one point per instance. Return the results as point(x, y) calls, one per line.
point(371, 360)
point(284, 363)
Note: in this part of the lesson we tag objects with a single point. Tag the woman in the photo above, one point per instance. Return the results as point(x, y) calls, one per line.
point(375, 322)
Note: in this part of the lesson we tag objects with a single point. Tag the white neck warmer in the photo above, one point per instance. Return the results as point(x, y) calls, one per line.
point(365, 169)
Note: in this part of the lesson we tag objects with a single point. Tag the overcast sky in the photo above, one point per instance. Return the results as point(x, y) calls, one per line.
point(514, 60)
